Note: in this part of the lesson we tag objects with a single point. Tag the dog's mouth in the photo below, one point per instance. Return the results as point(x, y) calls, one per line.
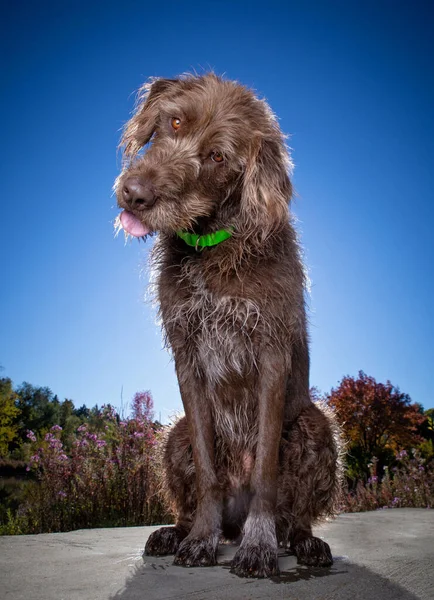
point(131, 225)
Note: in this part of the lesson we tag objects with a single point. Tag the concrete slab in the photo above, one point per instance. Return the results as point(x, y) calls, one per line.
point(381, 555)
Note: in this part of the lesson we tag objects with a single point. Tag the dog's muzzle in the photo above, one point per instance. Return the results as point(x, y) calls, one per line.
point(138, 194)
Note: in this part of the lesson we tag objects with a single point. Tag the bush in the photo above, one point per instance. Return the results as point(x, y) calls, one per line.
point(110, 476)
point(411, 484)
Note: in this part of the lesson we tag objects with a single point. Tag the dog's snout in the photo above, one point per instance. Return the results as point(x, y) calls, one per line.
point(138, 194)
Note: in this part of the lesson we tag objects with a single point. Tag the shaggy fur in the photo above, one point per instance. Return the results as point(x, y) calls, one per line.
point(253, 459)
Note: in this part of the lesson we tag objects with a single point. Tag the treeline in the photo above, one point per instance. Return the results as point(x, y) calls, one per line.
point(30, 408)
point(378, 420)
point(36, 409)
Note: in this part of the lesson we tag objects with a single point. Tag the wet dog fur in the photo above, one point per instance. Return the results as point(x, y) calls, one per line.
point(254, 459)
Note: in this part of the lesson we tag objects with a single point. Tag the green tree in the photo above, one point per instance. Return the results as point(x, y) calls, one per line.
point(426, 430)
point(8, 415)
point(83, 412)
point(69, 421)
point(39, 409)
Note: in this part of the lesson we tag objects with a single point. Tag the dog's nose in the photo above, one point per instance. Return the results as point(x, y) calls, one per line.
point(138, 194)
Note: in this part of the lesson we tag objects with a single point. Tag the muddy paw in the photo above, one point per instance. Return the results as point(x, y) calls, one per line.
point(255, 560)
point(197, 552)
point(164, 541)
point(313, 552)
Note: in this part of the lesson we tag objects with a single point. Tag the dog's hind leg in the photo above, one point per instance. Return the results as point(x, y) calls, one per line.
point(181, 487)
point(309, 485)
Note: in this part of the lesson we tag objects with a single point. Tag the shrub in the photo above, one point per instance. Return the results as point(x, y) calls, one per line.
point(411, 484)
point(109, 476)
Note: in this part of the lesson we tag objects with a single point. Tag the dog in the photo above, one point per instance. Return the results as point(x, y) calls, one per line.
point(254, 460)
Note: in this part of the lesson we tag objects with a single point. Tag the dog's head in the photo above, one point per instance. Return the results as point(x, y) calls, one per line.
point(215, 158)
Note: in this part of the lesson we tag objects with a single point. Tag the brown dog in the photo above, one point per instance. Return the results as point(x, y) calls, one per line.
point(253, 457)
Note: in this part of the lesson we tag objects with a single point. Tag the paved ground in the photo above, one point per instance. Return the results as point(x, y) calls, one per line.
point(387, 554)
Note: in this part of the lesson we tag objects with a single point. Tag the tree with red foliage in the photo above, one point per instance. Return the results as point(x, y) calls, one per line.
point(377, 420)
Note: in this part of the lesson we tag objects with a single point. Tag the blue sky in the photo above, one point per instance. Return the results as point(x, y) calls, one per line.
point(353, 84)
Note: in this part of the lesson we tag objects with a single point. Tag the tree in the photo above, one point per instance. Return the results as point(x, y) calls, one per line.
point(377, 420)
point(69, 421)
point(426, 430)
point(39, 409)
point(82, 413)
point(8, 415)
point(427, 425)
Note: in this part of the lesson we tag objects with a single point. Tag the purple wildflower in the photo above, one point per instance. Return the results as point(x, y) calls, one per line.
point(31, 435)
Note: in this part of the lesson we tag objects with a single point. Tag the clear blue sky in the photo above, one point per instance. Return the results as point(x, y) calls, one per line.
point(352, 82)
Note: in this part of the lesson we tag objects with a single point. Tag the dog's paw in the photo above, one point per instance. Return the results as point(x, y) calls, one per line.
point(313, 552)
point(255, 560)
point(164, 541)
point(197, 552)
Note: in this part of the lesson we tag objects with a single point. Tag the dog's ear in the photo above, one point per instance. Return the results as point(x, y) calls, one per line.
point(267, 189)
point(140, 128)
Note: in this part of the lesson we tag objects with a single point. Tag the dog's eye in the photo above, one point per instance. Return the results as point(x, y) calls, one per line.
point(217, 157)
point(176, 123)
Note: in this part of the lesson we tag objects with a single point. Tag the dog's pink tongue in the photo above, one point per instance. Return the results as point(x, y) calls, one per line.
point(132, 225)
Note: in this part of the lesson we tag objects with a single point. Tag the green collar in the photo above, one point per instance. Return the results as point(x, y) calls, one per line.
point(209, 239)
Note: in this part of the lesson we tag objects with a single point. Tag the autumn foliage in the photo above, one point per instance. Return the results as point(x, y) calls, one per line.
point(377, 420)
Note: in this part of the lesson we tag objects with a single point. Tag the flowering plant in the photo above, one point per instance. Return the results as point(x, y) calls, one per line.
point(109, 475)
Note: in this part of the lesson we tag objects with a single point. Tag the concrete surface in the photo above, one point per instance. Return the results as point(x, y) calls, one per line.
point(387, 554)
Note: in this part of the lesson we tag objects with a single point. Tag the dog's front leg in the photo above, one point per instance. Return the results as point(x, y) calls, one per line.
point(257, 554)
point(199, 548)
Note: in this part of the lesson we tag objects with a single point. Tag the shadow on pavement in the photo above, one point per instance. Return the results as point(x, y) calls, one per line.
point(159, 579)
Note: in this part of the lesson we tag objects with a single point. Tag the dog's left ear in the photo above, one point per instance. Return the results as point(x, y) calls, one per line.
point(140, 128)
point(267, 189)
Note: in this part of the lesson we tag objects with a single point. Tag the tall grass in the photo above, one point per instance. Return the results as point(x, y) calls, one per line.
point(409, 484)
point(110, 476)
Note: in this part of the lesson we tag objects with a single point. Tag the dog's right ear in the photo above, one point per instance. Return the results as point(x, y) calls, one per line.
point(140, 128)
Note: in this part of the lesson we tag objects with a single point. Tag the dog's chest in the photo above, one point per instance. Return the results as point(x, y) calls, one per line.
point(224, 337)
point(218, 330)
